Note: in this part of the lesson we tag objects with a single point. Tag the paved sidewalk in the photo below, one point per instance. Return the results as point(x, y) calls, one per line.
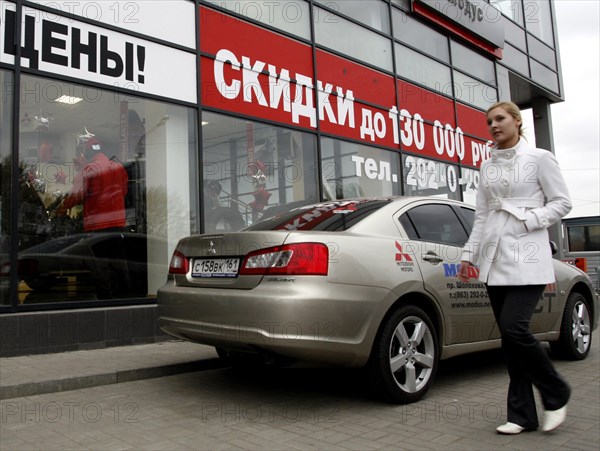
point(280, 409)
point(215, 408)
point(50, 373)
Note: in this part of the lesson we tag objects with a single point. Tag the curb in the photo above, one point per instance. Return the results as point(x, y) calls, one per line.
point(115, 377)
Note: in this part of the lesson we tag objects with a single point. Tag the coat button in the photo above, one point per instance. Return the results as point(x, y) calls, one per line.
point(504, 182)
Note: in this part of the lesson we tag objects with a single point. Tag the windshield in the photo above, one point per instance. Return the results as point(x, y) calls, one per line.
point(327, 216)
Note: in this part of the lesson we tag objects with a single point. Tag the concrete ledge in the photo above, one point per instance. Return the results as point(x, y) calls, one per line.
point(50, 373)
point(76, 383)
point(57, 331)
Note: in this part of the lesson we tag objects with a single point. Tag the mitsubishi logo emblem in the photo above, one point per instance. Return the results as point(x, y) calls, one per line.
point(211, 249)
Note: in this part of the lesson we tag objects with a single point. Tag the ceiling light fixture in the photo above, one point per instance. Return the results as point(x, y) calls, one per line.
point(68, 100)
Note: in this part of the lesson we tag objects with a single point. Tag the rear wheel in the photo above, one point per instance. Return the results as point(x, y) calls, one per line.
point(405, 356)
point(575, 330)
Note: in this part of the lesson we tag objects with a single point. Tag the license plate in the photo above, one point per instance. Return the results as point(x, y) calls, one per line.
point(215, 267)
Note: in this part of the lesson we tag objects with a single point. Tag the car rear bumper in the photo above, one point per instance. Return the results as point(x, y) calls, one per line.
point(304, 319)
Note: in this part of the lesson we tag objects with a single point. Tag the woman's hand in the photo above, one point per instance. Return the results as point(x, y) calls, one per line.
point(463, 272)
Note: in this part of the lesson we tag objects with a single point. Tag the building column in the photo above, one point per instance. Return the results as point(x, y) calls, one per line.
point(542, 123)
point(544, 138)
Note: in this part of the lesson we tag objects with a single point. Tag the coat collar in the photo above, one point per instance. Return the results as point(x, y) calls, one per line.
point(508, 155)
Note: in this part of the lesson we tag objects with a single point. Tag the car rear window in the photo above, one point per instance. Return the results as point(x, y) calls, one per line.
point(328, 216)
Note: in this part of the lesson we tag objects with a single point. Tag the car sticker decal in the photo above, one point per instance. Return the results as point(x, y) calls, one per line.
point(403, 260)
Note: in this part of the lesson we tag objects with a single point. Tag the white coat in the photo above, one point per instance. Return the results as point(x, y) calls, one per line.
point(521, 192)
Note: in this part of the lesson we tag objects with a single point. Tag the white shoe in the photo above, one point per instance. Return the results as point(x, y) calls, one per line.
point(510, 429)
point(554, 418)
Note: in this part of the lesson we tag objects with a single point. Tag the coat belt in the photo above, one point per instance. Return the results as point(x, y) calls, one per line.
point(514, 205)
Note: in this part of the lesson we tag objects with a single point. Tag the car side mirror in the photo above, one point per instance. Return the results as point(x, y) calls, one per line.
point(553, 247)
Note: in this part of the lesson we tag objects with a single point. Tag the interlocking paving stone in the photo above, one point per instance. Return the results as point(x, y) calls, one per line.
point(283, 409)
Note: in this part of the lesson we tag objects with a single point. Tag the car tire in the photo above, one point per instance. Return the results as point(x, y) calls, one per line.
point(575, 337)
point(406, 341)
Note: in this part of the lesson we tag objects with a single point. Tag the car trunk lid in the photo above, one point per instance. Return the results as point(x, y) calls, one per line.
point(215, 260)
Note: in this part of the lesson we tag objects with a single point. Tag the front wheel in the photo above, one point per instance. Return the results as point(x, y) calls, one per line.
point(405, 357)
point(575, 330)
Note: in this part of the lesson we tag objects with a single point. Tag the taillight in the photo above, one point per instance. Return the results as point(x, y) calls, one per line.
point(309, 259)
point(179, 263)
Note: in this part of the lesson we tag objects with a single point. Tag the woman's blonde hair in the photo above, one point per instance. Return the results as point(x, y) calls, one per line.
point(512, 109)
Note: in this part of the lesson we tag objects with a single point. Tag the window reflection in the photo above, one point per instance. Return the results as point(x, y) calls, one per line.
point(585, 238)
point(420, 36)
point(95, 217)
point(510, 8)
point(474, 92)
point(6, 81)
point(424, 177)
point(333, 31)
point(472, 63)
point(291, 16)
point(353, 170)
point(423, 70)
point(252, 170)
point(538, 20)
point(373, 13)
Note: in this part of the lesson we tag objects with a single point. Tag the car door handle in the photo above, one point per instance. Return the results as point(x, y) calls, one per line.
point(432, 258)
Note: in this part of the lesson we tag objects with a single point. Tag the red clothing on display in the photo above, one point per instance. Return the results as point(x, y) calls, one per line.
point(102, 193)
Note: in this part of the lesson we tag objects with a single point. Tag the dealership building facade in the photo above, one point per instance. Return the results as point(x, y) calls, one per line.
point(222, 112)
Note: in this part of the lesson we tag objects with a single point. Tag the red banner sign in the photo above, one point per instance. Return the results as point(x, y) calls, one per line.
point(259, 73)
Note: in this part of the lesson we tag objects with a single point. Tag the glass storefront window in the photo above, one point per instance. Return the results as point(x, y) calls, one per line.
point(6, 123)
point(514, 34)
point(515, 59)
point(542, 52)
point(472, 63)
point(333, 31)
point(474, 92)
point(512, 9)
point(291, 16)
point(374, 13)
point(423, 70)
point(402, 4)
point(424, 177)
point(252, 170)
point(354, 170)
point(544, 76)
point(469, 182)
point(104, 191)
point(420, 36)
point(538, 20)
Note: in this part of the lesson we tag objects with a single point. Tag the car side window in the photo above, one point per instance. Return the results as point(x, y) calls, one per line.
point(469, 216)
point(434, 222)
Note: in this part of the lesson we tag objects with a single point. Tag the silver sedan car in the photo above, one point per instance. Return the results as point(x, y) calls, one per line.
point(368, 282)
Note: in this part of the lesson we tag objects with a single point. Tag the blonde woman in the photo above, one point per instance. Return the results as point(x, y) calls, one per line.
point(522, 192)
